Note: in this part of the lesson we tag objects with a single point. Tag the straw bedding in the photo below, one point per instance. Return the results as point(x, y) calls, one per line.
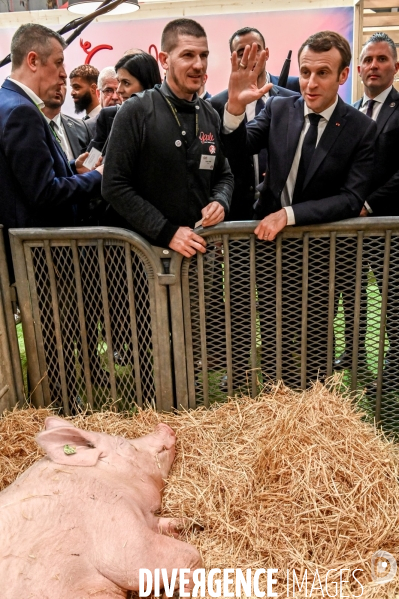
point(285, 481)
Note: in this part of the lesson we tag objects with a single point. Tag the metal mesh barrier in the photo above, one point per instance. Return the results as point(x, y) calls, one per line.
point(315, 301)
point(92, 317)
point(105, 323)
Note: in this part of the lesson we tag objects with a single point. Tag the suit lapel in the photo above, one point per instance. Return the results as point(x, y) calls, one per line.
point(358, 104)
point(274, 91)
point(69, 128)
point(295, 123)
point(331, 133)
point(387, 109)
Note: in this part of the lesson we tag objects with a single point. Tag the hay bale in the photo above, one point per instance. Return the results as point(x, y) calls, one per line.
point(285, 481)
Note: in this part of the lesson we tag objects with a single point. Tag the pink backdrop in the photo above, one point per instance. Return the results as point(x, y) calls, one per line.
point(284, 31)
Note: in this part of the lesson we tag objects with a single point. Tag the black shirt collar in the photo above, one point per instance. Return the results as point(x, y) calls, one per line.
point(180, 104)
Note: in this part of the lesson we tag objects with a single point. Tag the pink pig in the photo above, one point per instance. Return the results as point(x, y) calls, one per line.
point(81, 522)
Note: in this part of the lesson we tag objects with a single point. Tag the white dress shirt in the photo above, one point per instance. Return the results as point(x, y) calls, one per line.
point(39, 103)
point(94, 112)
point(59, 128)
point(379, 101)
point(232, 122)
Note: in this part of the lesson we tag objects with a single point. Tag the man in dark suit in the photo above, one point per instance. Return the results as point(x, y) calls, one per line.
point(73, 133)
point(377, 69)
point(320, 155)
point(248, 36)
point(39, 185)
point(378, 65)
point(248, 170)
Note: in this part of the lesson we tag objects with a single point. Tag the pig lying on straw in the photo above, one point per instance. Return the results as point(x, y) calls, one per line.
point(81, 521)
point(287, 481)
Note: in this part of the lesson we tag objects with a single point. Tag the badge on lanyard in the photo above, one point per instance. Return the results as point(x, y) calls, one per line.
point(207, 162)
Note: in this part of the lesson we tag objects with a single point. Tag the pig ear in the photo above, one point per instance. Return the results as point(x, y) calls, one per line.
point(55, 422)
point(68, 445)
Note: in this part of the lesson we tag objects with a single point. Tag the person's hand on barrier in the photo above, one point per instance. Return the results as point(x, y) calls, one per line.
point(212, 214)
point(243, 83)
point(186, 242)
point(364, 211)
point(271, 225)
point(80, 169)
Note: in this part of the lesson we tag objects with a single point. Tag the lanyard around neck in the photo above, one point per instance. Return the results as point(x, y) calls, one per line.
point(174, 112)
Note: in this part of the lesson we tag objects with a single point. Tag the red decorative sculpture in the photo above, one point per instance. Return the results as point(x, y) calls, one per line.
point(90, 53)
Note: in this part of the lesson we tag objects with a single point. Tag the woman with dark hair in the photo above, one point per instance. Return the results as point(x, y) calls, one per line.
point(135, 74)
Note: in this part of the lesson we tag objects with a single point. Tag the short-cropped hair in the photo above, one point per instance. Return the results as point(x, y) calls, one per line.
point(143, 67)
point(33, 37)
point(245, 31)
point(87, 72)
point(105, 73)
point(378, 37)
point(323, 41)
point(170, 35)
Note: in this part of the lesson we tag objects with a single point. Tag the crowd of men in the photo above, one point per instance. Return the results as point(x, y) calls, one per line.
point(176, 156)
point(296, 155)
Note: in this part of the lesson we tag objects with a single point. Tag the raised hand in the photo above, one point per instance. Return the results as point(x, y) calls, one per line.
point(243, 84)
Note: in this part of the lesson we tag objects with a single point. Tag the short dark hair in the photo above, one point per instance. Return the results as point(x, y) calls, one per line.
point(87, 72)
point(378, 37)
point(33, 37)
point(245, 31)
point(170, 34)
point(323, 41)
point(142, 66)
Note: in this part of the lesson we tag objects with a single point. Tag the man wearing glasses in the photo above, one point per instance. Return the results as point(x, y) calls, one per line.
point(108, 84)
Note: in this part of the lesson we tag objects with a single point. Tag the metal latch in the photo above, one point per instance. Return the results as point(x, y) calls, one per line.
point(166, 279)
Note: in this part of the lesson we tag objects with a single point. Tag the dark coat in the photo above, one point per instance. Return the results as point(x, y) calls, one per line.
point(292, 83)
point(38, 184)
point(103, 127)
point(77, 133)
point(242, 166)
point(338, 179)
point(384, 196)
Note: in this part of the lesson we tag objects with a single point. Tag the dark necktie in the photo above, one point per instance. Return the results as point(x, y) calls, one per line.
point(262, 156)
point(308, 148)
point(54, 128)
point(370, 106)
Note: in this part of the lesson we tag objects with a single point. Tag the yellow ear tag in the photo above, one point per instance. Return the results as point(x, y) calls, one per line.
point(68, 450)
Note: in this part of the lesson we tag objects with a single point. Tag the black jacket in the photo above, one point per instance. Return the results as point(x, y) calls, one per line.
point(384, 196)
point(242, 165)
point(77, 133)
point(103, 127)
point(338, 179)
point(292, 83)
point(151, 178)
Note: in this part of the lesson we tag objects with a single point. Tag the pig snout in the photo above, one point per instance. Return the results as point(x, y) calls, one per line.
point(166, 435)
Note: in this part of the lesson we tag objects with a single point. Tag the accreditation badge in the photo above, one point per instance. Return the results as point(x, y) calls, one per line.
point(207, 162)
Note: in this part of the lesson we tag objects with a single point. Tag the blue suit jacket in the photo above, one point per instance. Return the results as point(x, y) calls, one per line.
point(384, 196)
point(292, 83)
point(242, 165)
point(338, 178)
point(38, 185)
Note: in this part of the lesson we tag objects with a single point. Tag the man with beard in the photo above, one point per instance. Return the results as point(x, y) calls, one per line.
point(84, 92)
